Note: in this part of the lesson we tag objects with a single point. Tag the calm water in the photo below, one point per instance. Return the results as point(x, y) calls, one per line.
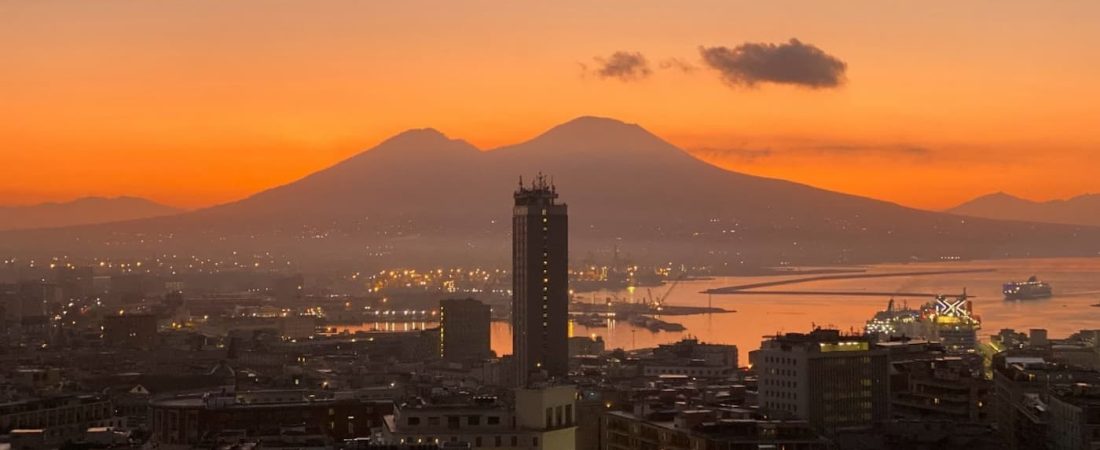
point(1076, 286)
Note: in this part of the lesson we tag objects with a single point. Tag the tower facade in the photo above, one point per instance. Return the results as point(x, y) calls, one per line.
point(540, 282)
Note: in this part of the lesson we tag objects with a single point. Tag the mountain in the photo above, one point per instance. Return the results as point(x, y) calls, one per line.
point(423, 199)
point(1080, 210)
point(87, 210)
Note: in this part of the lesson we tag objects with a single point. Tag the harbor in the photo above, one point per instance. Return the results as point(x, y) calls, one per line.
point(1069, 310)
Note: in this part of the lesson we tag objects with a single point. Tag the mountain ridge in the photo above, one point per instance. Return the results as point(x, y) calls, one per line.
point(81, 211)
point(1082, 209)
point(422, 197)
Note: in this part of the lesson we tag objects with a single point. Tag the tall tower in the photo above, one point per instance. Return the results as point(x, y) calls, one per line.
point(540, 281)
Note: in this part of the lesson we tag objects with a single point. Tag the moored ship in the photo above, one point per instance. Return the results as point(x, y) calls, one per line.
point(949, 320)
point(1027, 290)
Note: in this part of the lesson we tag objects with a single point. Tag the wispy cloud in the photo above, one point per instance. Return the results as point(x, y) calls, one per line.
point(743, 155)
point(748, 154)
point(903, 150)
point(622, 66)
point(677, 64)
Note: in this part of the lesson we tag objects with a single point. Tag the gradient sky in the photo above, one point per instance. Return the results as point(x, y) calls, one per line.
point(203, 101)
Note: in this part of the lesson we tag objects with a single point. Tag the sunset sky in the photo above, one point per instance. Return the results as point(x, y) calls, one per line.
point(197, 102)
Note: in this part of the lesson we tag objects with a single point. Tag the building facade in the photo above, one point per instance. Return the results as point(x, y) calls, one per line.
point(698, 430)
point(464, 327)
point(130, 330)
point(58, 419)
point(541, 418)
point(832, 381)
point(540, 282)
point(189, 420)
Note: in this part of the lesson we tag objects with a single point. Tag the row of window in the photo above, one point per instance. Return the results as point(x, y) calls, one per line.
point(479, 441)
point(780, 360)
point(778, 383)
point(782, 406)
point(559, 416)
point(454, 421)
point(678, 371)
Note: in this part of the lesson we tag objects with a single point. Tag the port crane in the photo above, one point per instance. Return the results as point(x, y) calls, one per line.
point(660, 301)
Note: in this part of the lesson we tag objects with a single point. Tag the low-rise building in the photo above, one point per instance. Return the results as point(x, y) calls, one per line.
point(541, 418)
point(831, 380)
point(55, 420)
point(187, 420)
point(703, 429)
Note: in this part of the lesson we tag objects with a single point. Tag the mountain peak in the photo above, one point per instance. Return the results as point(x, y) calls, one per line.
point(418, 136)
point(1000, 195)
point(421, 141)
point(585, 126)
point(592, 136)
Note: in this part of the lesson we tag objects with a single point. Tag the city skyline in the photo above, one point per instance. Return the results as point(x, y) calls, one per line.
point(960, 100)
point(737, 225)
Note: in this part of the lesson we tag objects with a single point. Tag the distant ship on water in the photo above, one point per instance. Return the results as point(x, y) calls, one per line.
point(1027, 290)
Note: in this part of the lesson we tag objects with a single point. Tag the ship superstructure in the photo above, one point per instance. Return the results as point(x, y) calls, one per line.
point(946, 319)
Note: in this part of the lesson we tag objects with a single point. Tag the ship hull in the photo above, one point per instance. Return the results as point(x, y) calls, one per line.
point(1027, 296)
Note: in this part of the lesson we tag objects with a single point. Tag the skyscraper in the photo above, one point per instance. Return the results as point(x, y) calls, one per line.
point(540, 283)
point(464, 329)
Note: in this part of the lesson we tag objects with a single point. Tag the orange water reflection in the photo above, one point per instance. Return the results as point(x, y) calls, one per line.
point(1076, 283)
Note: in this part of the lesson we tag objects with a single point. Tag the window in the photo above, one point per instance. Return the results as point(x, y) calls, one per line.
point(433, 421)
point(414, 421)
point(493, 420)
point(477, 441)
point(569, 414)
point(454, 422)
point(535, 441)
point(549, 416)
point(496, 441)
point(559, 415)
point(515, 441)
point(473, 420)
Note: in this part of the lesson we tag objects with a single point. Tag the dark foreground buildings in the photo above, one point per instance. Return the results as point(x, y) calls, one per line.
point(831, 380)
point(464, 330)
point(540, 283)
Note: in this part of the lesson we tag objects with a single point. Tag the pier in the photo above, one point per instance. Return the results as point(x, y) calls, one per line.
point(750, 289)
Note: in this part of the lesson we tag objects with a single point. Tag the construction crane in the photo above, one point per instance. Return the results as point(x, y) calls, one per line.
point(672, 286)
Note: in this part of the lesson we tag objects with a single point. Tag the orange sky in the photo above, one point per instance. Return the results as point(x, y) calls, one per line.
point(203, 101)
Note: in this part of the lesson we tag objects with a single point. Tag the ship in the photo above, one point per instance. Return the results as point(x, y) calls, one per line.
point(655, 324)
point(1027, 290)
point(592, 321)
point(949, 320)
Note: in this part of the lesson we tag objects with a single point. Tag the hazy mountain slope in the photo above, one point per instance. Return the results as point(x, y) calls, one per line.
point(88, 210)
point(421, 198)
point(1080, 210)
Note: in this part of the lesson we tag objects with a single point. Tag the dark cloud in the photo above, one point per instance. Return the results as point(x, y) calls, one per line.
point(788, 63)
point(623, 66)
